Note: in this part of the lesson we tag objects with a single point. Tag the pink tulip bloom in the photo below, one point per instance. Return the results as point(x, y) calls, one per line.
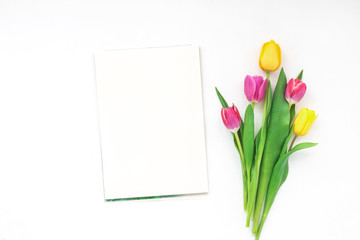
point(255, 88)
point(295, 91)
point(231, 118)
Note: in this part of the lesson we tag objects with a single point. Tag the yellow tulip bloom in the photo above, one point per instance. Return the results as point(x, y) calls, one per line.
point(303, 121)
point(270, 56)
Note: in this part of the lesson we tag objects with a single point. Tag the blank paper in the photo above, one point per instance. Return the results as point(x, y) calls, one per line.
point(151, 122)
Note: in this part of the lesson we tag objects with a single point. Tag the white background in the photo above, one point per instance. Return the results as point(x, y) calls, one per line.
point(50, 166)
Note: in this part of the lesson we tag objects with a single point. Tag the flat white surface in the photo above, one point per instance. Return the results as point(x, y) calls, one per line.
point(50, 166)
point(151, 122)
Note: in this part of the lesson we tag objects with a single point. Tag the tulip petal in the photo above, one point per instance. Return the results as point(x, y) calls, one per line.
point(270, 57)
point(249, 88)
point(262, 90)
point(231, 118)
point(300, 121)
point(224, 117)
point(236, 111)
point(308, 126)
point(288, 89)
point(298, 92)
point(304, 121)
point(261, 56)
point(258, 81)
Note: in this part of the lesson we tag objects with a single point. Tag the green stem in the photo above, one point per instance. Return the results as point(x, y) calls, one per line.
point(268, 75)
point(245, 192)
point(292, 122)
point(253, 105)
point(245, 188)
point(255, 178)
point(240, 148)
point(292, 143)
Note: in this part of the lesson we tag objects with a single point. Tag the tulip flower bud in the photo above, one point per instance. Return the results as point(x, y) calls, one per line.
point(295, 91)
point(231, 118)
point(255, 88)
point(304, 121)
point(270, 57)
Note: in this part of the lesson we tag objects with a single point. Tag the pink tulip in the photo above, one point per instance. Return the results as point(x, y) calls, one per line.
point(295, 91)
point(255, 88)
point(231, 118)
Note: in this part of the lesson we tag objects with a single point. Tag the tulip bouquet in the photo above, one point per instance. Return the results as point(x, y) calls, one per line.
point(264, 155)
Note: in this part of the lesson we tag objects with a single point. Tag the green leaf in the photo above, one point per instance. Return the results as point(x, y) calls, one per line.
point(279, 174)
point(286, 143)
point(278, 177)
point(284, 150)
point(256, 150)
point(277, 132)
point(298, 147)
point(287, 155)
point(285, 173)
point(222, 100)
point(300, 75)
point(241, 131)
point(248, 140)
point(257, 140)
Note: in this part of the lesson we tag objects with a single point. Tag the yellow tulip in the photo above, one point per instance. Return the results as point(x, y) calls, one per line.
point(270, 56)
point(303, 121)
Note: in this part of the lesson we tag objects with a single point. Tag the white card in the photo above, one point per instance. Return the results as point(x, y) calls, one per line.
point(151, 122)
